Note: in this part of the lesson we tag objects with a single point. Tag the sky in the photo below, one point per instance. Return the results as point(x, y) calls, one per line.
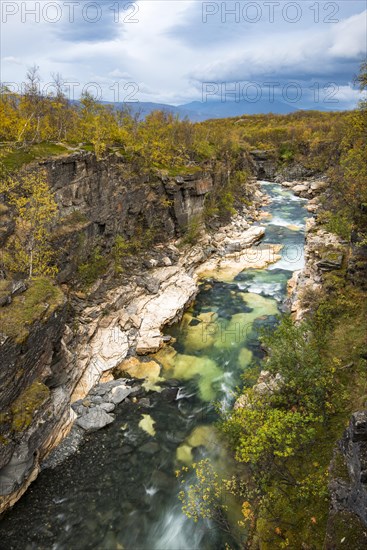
point(179, 51)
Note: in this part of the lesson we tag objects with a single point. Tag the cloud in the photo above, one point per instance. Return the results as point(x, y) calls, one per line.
point(170, 52)
point(12, 59)
point(117, 73)
point(323, 54)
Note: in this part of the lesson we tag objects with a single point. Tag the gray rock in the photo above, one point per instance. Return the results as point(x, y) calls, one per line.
point(152, 286)
point(119, 393)
point(330, 261)
point(96, 399)
point(359, 426)
point(108, 407)
point(18, 287)
point(14, 473)
point(5, 300)
point(94, 420)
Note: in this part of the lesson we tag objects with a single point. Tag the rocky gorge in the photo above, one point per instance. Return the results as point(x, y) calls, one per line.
point(110, 333)
point(75, 341)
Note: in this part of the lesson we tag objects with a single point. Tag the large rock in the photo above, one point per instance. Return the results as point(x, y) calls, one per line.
point(94, 420)
point(119, 393)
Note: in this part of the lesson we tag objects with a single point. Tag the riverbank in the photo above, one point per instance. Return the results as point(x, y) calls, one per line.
point(94, 331)
point(325, 303)
point(157, 432)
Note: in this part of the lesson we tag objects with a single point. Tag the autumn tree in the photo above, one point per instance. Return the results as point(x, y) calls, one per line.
point(28, 250)
point(31, 106)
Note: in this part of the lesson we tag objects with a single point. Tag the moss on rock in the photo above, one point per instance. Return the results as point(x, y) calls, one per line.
point(40, 299)
point(27, 404)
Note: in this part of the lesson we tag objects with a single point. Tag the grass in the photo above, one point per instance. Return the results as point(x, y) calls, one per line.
point(40, 299)
point(3, 209)
point(26, 405)
point(5, 287)
point(17, 158)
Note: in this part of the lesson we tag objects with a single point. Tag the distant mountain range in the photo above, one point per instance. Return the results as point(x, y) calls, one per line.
point(198, 111)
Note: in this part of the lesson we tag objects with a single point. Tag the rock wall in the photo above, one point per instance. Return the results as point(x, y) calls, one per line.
point(347, 522)
point(267, 167)
point(110, 199)
point(69, 348)
point(34, 411)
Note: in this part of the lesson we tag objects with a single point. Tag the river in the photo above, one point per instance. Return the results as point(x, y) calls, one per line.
point(120, 490)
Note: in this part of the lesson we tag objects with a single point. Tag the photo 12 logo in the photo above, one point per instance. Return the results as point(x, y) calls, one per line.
point(117, 92)
point(71, 11)
point(253, 92)
point(269, 11)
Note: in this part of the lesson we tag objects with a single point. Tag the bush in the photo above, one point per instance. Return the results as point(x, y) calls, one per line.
point(90, 271)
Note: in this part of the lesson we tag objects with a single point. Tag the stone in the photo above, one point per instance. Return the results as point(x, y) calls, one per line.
point(151, 263)
point(318, 185)
point(150, 448)
point(148, 370)
point(359, 426)
point(18, 287)
point(13, 474)
point(144, 402)
point(5, 299)
point(300, 189)
point(135, 320)
point(166, 261)
point(152, 286)
point(123, 319)
point(108, 407)
point(119, 393)
point(95, 420)
point(331, 260)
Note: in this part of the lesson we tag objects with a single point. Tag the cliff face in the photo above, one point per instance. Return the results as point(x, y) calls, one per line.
point(267, 167)
point(61, 348)
point(33, 408)
point(111, 199)
point(348, 488)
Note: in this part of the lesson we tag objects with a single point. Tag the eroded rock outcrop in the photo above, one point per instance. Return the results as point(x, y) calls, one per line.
point(73, 346)
point(347, 523)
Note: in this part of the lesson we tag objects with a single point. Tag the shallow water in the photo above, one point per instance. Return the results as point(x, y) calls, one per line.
point(120, 491)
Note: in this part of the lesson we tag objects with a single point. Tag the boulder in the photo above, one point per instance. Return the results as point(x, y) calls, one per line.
point(318, 185)
point(119, 393)
point(108, 407)
point(94, 420)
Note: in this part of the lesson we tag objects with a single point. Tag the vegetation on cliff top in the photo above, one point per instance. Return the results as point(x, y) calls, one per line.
point(40, 300)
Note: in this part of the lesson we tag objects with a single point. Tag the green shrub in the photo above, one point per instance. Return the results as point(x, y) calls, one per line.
point(96, 266)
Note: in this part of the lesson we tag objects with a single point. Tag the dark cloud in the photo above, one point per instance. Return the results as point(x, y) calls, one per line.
point(93, 21)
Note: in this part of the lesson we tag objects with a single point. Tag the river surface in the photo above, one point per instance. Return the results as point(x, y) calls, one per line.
point(120, 490)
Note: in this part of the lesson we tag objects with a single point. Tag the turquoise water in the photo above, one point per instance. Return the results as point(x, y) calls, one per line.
point(120, 491)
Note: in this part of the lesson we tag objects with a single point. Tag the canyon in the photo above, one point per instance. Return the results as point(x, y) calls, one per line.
point(79, 338)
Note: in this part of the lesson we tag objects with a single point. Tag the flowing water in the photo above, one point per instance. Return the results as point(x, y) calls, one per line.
point(120, 490)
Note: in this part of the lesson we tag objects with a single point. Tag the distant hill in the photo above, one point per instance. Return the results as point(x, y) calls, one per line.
point(198, 111)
